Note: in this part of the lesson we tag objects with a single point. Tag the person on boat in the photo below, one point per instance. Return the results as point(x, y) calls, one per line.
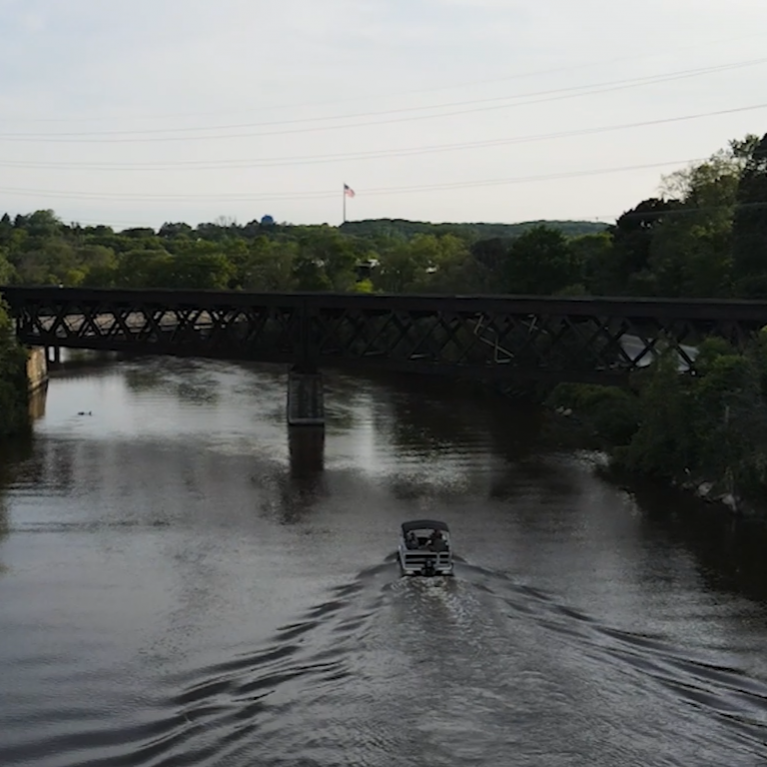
point(411, 541)
point(437, 541)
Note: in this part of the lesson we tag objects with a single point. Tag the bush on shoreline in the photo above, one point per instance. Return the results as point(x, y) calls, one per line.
point(708, 430)
point(14, 389)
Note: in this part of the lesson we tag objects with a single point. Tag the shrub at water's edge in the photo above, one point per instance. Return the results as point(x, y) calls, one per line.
point(14, 388)
point(707, 431)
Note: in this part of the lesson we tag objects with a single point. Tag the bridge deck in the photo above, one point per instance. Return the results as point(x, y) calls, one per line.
point(596, 339)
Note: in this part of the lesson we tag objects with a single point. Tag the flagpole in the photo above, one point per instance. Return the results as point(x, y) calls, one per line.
point(343, 194)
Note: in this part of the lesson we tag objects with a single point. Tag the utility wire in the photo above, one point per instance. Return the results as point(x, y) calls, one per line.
point(244, 197)
point(68, 138)
point(557, 94)
point(382, 154)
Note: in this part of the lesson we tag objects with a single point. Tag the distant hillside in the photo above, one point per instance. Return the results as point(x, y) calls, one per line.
point(387, 227)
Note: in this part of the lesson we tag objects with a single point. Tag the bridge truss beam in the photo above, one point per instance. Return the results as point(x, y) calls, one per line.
point(503, 337)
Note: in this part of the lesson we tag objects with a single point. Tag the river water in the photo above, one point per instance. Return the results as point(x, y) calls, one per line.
point(181, 583)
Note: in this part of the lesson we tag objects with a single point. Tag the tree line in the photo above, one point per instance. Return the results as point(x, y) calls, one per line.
point(703, 236)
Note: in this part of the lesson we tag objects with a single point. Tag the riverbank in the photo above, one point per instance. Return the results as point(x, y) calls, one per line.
point(14, 382)
point(705, 434)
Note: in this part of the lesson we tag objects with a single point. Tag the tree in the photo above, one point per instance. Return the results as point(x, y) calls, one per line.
point(690, 250)
point(664, 444)
point(7, 272)
point(139, 233)
point(484, 264)
point(143, 269)
point(268, 266)
point(324, 250)
point(596, 264)
point(99, 265)
point(404, 262)
point(309, 274)
point(45, 262)
point(174, 230)
point(6, 229)
point(14, 392)
point(750, 226)
point(197, 271)
point(449, 268)
point(632, 237)
point(43, 223)
point(540, 262)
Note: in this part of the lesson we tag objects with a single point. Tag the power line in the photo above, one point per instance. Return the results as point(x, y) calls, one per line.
point(67, 138)
point(382, 154)
point(63, 194)
point(557, 95)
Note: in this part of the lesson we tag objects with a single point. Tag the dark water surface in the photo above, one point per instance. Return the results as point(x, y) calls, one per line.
point(181, 584)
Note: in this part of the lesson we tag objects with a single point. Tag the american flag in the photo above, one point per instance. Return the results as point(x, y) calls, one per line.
point(348, 191)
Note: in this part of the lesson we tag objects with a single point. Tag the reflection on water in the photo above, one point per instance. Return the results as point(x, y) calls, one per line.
point(37, 400)
point(307, 452)
point(3, 518)
point(728, 549)
point(186, 581)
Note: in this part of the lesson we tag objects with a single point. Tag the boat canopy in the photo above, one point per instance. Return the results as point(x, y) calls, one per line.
point(424, 524)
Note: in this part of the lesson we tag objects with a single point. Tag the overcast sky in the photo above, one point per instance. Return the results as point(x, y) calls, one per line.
point(140, 112)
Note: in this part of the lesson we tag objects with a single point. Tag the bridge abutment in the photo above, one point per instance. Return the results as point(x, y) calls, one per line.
point(37, 369)
point(306, 399)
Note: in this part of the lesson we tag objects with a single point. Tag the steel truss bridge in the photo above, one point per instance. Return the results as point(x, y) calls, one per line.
point(599, 340)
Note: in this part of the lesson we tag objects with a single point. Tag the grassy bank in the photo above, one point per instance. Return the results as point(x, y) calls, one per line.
point(707, 432)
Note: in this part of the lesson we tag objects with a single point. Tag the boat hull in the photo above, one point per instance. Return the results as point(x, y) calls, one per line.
point(425, 563)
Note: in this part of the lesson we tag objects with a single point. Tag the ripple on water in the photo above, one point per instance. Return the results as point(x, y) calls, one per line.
point(176, 592)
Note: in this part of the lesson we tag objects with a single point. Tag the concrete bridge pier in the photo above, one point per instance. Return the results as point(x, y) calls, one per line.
point(306, 404)
point(53, 355)
point(37, 369)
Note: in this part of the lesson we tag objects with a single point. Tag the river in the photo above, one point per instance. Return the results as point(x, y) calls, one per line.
point(182, 584)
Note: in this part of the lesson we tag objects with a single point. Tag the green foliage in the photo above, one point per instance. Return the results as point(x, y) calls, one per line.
point(690, 252)
point(576, 290)
point(403, 265)
point(385, 228)
point(7, 270)
point(704, 236)
point(612, 413)
point(14, 396)
point(712, 426)
point(633, 236)
point(730, 419)
point(266, 265)
point(595, 263)
point(663, 445)
point(326, 260)
point(539, 261)
point(750, 225)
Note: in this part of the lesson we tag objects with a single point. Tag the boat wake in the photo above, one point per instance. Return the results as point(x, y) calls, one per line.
point(439, 671)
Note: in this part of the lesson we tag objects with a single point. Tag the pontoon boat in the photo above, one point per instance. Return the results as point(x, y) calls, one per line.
point(425, 548)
